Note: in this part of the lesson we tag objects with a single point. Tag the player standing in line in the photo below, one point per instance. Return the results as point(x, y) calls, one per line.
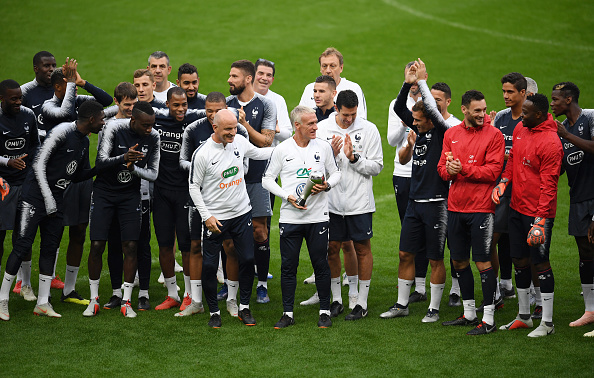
point(533, 166)
point(19, 142)
point(40, 89)
point(144, 81)
point(577, 133)
point(324, 94)
point(189, 81)
point(217, 179)
point(472, 159)
point(294, 159)
point(116, 190)
point(158, 64)
point(63, 158)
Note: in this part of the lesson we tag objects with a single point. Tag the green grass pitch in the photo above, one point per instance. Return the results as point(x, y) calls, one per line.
point(468, 44)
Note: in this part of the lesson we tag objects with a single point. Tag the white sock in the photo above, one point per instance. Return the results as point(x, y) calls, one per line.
point(327, 312)
point(547, 307)
point(489, 314)
point(143, 293)
point(404, 291)
point(353, 284)
point(45, 283)
point(171, 284)
point(289, 314)
point(523, 301)
point(420, 285)
point(469, 309)
point(455, 286)
point(70, 279)
point(187, 286)
point(56, 262)
point(196, 290)
point(436, 294)
point(216, 312)
point(588, 296)
point(117, 292)
point(19, 276)
point(538, 296)
point(6, 285)
point(94, 285)
point(335, 288)
point(242, 306)
point(263, 283)
point(128, 286)
point(363, 293)
point(232, 286)
point(26, 273)
point(497, 292)
point(507, 284)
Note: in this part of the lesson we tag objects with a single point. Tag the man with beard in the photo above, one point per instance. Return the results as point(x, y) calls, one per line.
point(189, 81)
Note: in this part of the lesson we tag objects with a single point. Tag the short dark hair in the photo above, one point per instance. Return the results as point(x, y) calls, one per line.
point(540, 101)
point(40, 55)
point(327, 79)
point(216, 97)
point(142, 107)
point(246, 66)
point(123, 90)
point(410, 64)
point(443, 87)
point(8, 84)
point(516, 79)
point(346, 98)
point(267, 63)
point(471, 95)
point(568, 89)
point(158, 55)
point(176, 91)
point(57, 76)
point(186, 69)
point(90, 108)
point(419, 106)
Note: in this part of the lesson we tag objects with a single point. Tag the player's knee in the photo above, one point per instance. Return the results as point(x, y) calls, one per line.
point(406, 257)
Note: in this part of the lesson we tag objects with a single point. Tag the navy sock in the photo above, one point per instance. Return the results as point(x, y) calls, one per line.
point(586, 272)
point(523, 277)
point(466, 281)
point(488, 281)
point(547, 281)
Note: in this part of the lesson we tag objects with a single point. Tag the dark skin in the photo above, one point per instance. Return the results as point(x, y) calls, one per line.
point(43, 70)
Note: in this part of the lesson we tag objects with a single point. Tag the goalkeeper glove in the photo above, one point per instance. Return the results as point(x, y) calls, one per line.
point(4, 188)
point(536, 236)
point(499, 190)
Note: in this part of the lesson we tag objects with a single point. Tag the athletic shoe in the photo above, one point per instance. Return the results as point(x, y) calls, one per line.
point(455, 300)
point(461, 321)
point(46, 309)
point(74, 297)
point(127, 311)
point(143, 304)
point(215, 321)
point(223, 292)
point(587, 318)
point(325, 321)
point(161, 279)
point(353, 300)
point(499, 303)
point(27, 293)
point(315, 299)
point(357, 313)
point(517, 323)
point(395, 311)
point(345, 280)
point(542, 330)
point(246, 317)
point(92, 308)
point(417, 297)
point(284, 322)
point(191, 309)
point(232, 307)
point(17, 287)
point(167, 304)
point(4, 315)
point(178, 268)
point(507, 293)
point(269, 276)
point(311, 279)
point(431, 317)
point(262, 295)
point(336, 308)
point(114, 302)
point(185, 302)
point(537, 314)
point(57, 283)
point(589, 334)
point(482, 329)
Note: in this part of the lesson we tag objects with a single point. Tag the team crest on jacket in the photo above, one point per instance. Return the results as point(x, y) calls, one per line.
point(71, 167)
point(124, 176)
point(255, 113)
point(317, 157)
point(236, 153)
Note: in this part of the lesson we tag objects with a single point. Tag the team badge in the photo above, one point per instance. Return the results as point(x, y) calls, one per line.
point(71, 167)
point(124, 177)
point(317, 157)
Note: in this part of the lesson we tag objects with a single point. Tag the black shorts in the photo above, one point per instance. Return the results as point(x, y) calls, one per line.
point(8, 208)
point(125, 206)
point(239, 229)
point(519, 226)
point(28, 219)
point(580, 217)
point(351, 227)
point(170, 217)
point(77, 202)
point(402, 191)
point(259, 199)
point(502, 216)
point(424, 228)
point(466, 230)
point(195, 223)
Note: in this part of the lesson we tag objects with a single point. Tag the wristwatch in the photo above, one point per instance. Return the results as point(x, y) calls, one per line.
point(355, 158)
point(328, 187)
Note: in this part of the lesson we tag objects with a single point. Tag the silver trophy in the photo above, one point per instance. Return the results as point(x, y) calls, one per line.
point(315, 177)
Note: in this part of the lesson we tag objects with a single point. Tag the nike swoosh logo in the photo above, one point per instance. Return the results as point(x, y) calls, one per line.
point(368, 232)
point(454, 141)
point(436, 226)
point(502, 127)
point(35, 106)
point(5, 132)
point(290, 159)
point(69, 150)
point(120, 146)
point(249, 223)
point(42, 310)
point(213, 163)
point(483, 227)
point(518, 138)
point(323, 231)
point(546, 299)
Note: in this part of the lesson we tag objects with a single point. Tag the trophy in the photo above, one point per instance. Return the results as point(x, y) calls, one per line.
point(315, 177)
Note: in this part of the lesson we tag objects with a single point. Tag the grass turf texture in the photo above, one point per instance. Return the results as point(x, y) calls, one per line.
point(468, 44)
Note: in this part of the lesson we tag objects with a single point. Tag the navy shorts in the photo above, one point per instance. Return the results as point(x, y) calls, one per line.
point(466, 230)
point(77, 202)
point(580, 217)
point(519, 227)
point(239, 229)
point(402, 191)
point(8, 208)
point(502, 216)
point(170, 217)
point(260, 200)
point(125, 206)
point(424, 228)
point(351, 227)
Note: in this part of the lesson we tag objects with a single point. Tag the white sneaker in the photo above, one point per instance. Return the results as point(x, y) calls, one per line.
point(178, 268)
point(27, 293)
point(220, 275)
point(4, 315)
point(589, 334)
point(232, 307)
point(191, 309)
point(542, 330)
point(127, 311)
point(517, 323)
point(315, 299)
point(161, 279)
point(46, 309)
point(311, 279)
point(353, 300)
point(92, 308)
point(345, 280)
